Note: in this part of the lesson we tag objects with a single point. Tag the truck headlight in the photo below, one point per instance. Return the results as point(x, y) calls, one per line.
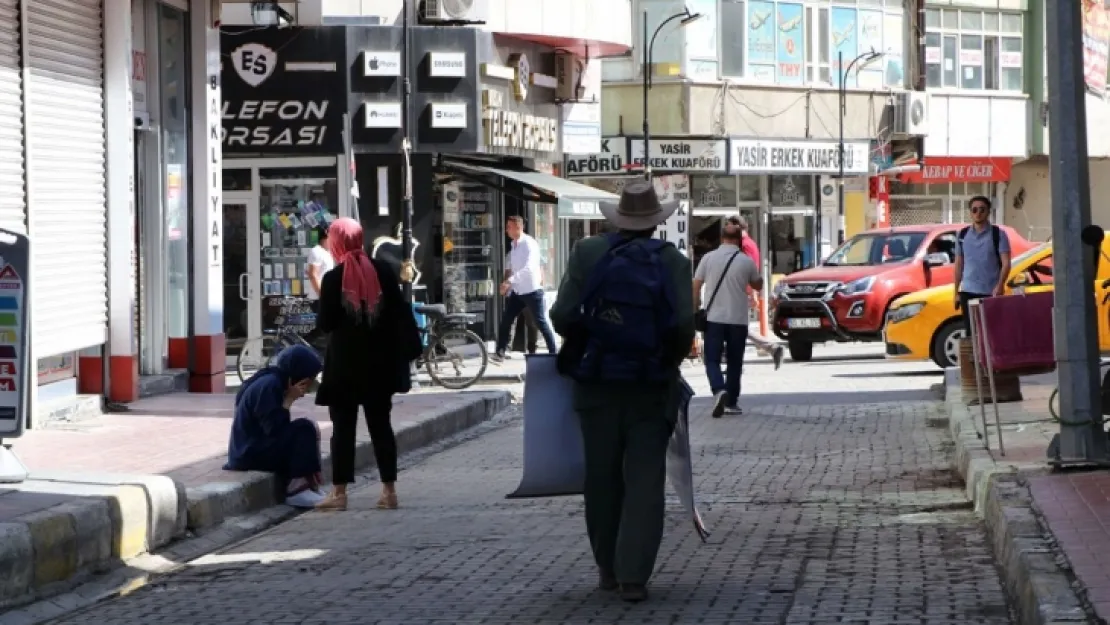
point(858, 287)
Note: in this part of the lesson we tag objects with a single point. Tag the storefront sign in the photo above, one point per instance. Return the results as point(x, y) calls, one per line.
point(513, 129)
point(771, 156)
point(448, 115)
point(377, 63)
point(282, 90)
point(676, 229)
point(447, 64)
point(382, 115)
point(688, 155)
point(959, 169)
point(610, 161)
point(15, 364)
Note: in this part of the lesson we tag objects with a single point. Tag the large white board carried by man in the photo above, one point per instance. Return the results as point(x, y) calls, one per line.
point(554, 457)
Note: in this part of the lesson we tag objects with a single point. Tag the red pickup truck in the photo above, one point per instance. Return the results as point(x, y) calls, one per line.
point(846, 297)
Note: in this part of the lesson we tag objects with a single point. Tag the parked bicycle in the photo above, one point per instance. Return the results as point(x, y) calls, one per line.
point(449, 346)
point(260, 351)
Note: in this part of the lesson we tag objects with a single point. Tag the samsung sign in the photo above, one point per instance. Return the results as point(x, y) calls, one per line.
point(447, 64)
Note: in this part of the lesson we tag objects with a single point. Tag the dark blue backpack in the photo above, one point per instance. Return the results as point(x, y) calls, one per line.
point(628, 307)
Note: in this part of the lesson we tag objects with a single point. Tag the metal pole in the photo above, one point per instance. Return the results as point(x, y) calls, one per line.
point(840, 150)
point(1081, 439)
point(407, 270)
point(647, 85)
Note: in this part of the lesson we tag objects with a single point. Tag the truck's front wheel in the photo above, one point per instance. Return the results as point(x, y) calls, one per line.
point(800, 351)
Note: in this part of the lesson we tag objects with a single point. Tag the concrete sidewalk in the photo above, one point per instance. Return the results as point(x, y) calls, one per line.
point(110, 488)
point(1050, 530)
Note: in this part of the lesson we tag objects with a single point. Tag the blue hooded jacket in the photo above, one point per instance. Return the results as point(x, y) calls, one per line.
point(258, 432)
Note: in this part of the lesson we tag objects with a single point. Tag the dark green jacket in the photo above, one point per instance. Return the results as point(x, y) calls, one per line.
point(583, 258)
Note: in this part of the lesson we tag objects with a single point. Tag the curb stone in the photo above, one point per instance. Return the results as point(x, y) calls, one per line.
point(113, 519)
point(1042, 590)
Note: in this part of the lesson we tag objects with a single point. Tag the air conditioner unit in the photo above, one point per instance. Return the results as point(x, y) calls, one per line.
point(569, 72)
point(911, 114)
point(454, 11)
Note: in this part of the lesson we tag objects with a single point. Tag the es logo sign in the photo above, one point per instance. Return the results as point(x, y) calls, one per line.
point(254, 63)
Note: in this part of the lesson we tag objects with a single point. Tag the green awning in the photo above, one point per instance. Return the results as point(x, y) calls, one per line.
point(573, 199)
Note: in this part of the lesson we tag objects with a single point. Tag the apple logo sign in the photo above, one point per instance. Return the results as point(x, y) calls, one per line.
point(373, 64)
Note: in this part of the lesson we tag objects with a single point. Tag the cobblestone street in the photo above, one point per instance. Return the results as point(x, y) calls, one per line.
point(829, 501)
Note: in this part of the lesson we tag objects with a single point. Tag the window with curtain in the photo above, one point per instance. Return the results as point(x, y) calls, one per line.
point(799, 42)
point(974, 50)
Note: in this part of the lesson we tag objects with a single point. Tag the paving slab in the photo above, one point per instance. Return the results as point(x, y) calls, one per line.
point(1043, 531)
point(103, 491)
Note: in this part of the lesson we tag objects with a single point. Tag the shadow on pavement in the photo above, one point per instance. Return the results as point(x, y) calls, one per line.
point(832, 398)
point(935, 373)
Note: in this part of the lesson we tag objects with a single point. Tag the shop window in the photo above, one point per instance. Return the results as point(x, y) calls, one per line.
point(974, 50)
point(714, 191)
point(790, 191)
point(56, 368)
point(796, 43)
point(236, 179)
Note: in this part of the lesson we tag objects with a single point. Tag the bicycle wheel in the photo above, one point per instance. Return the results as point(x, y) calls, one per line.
point(459, 352)
point(255, 354)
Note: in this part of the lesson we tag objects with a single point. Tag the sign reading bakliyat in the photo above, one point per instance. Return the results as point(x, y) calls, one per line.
point(689, 155)
point(610, 161)
point(774, 156)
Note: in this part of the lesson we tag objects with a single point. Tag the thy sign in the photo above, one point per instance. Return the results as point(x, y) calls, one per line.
point(254, 63)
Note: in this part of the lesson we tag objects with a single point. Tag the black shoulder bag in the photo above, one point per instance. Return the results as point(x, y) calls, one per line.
point(701, 317)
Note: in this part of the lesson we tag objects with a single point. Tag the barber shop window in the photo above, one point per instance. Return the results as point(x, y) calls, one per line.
point(974, 50)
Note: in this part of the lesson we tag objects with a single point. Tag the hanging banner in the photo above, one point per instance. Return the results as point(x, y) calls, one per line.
point(1096, 44)
point(761, 40)
point(676, 228)
point(845, 42)
point(790, 45)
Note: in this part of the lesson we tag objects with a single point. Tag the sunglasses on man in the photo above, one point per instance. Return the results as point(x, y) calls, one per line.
point(979, 208)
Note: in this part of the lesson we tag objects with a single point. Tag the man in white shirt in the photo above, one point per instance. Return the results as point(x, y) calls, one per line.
point(522, 288)
point(319, 262)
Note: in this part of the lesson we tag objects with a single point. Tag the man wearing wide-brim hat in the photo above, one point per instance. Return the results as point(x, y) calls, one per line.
point(626, 427)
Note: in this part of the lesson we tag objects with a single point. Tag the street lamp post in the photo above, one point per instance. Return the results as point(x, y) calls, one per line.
point(842, 92)
point(408, 272)
point(687, 18)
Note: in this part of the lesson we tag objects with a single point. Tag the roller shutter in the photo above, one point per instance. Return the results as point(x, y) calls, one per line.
point(12, 206)
point(66, 166)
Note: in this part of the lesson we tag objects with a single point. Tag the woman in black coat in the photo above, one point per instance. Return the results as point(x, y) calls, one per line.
point(372, 339)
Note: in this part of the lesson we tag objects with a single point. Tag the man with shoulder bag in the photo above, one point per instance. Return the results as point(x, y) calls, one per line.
point(724, 321)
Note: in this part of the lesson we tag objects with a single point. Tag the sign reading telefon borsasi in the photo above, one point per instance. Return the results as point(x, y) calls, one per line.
point(284, 90)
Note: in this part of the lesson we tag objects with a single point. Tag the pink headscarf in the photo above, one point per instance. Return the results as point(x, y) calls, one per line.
point(361, 288)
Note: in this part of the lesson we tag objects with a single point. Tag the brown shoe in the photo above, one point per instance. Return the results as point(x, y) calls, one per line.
point(333, 502)
point(634, 593)
point(606, 581)
point(388, 502)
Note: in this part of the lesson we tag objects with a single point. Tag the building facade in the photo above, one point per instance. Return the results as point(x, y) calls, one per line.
point(107, 164)
point(494, 107)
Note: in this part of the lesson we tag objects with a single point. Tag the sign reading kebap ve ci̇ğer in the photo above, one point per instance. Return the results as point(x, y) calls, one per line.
point(14, 333)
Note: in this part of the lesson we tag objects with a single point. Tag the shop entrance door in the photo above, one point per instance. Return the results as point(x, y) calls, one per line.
point(242, 280)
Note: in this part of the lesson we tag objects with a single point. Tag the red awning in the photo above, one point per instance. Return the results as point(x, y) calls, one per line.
point(960, 169)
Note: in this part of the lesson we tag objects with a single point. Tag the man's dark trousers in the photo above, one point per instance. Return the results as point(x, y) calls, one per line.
point(625, 434)
point(726, 339)
point(514, 305)
point(965, 308)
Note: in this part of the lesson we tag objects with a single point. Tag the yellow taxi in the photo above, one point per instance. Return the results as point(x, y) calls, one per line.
point(926, 325)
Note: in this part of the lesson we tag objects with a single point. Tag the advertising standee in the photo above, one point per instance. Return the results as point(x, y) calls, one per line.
point(15, 373)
